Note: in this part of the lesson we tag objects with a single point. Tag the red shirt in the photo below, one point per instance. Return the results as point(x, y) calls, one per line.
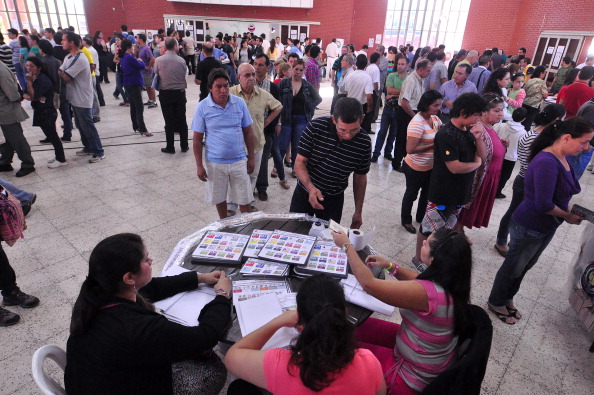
point(577, 94)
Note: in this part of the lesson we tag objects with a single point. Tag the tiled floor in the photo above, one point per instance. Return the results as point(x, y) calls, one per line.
point(139, 189)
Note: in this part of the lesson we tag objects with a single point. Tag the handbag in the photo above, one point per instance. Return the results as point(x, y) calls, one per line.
point(12, 219)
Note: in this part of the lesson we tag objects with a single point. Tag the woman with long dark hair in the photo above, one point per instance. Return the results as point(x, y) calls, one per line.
point(549, 185)
point(323, 359)
point(118, 343)
point(133, 82)
point(497, 84)
point(536, 92)
point(549, 115)
point(433, 306)
point(40, 91)
point(119, 89)
point(101, 47)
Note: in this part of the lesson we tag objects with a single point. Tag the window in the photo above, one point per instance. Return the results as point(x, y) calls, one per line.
point(40, 14)
point(426, 23)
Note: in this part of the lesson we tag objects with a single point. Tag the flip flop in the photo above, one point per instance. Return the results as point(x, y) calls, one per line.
point(502, 317)
point(514, 313)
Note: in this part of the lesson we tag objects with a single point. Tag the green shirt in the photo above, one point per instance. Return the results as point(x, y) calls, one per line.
point(395, 81)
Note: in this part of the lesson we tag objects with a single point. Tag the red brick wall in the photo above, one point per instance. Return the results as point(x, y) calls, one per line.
point(510, 27)
point(369, 19)
point(336, 18)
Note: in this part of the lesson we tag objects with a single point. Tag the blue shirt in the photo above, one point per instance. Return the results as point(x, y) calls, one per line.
point(479, 77)
point(129, 36)
point(132, 70)
point(223, 128)
point(450, 92)
point(296, 50)
point(216, 53)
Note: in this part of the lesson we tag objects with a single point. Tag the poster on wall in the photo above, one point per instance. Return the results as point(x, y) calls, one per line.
point(378, 38)
point(370, 44)
point(150, 34)
point(138, 31)
point(293, 34)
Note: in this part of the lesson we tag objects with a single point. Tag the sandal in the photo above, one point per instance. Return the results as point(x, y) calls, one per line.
point(501, 252)
point(502, 317)
point(514, 313)
point(273, 174)
point(146, 134)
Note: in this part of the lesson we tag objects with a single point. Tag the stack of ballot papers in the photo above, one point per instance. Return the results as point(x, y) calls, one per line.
point(256, 312)
point(249, 289)
point(354, 294)
point(258, 267)
point(326, 257)
point(220, 248)
point(286, 247)
point(256, 242)
point(185, 307)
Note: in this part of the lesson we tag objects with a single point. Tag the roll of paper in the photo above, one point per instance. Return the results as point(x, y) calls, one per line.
point(357, 238)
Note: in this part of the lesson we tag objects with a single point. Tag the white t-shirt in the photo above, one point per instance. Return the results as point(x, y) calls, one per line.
point(265, 45)
point(79, 91)
point(358, 84)
point(374, 73)
point(190, 45)
point(95, 56)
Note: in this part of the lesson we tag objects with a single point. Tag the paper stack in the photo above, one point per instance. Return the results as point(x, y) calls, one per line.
point(185, 307)
point(286, 247)
point(354, 294)
point(257, 240)
point(220, 248)
point(256, 312)
point(249, 289)
point(326, 257)
point(258, 267)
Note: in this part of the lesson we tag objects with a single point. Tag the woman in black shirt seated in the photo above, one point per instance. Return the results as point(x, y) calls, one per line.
point(118, 344)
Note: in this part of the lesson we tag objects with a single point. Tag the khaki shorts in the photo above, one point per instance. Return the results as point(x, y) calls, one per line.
point(148, 79)
point(228, 178)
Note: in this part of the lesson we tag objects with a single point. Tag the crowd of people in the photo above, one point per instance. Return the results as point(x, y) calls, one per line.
point(454, 127)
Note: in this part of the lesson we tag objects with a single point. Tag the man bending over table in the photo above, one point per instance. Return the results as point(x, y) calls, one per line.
point(223, 124)
point(330, 149)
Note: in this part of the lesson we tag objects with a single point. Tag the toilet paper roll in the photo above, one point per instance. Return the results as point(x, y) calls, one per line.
point(357, 238)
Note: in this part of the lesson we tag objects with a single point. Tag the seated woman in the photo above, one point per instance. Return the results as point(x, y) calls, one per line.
point(323, 359)
point(118, 344)
point(433, 306)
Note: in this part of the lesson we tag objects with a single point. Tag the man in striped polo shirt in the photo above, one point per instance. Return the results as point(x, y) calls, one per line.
point(330, 149)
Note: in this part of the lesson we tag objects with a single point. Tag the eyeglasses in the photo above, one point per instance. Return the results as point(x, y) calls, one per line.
point(249, 75)
point(351, 132)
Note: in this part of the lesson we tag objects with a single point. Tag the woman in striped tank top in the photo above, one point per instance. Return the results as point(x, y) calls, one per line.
point(433, 306)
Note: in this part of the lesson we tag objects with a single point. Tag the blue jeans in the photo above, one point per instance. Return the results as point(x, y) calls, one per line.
point(119, 89)
point(20, 73)
point(525, 247)
point(89, 136)
point(517, 198)
point(388, 121)
point(291, 133)
point(277, 158)
point(66, 115)
point(23, 196)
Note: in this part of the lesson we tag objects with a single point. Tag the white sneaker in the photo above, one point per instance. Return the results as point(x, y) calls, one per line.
point(51, 160)
point(82, 152)
point(96, 158)
point(55, 164)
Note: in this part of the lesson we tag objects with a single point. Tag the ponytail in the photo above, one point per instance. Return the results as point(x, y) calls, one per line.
point(576, 127)
point(327, 343)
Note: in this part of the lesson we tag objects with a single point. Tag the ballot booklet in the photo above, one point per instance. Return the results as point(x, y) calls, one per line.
point(220, 248)
point(584, 212)
point(355, 294)
point(249, 289)
point(257, 240)
point(286, 247)
point(258, 267)
point(326, 257)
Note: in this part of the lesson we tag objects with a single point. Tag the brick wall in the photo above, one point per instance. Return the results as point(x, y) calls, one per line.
point(510, 27)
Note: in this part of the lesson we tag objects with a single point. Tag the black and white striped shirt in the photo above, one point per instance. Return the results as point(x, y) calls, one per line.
point(331, 161)
point(524, 151)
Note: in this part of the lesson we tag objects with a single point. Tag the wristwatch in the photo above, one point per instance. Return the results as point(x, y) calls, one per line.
point(345, 247)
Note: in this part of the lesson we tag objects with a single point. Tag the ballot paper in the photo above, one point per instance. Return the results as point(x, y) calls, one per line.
point(286, 247)
point(256, 242)
point(326, 257)
point(249, 289)
point(220, 247)
point(257, 312)
point(258, 267)
point(354, 294)
point(185, 307)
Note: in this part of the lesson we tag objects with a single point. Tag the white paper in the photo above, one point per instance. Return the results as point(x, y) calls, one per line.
point(336, 227)
point(199, 31)
point(354, 294)
point(378, 38)
point(254, 313)
point(249, 289)
point(370, 43)
point(550, 50)
point(188, 307)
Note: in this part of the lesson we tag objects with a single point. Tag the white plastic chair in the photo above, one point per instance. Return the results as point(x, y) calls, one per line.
point(48, 385)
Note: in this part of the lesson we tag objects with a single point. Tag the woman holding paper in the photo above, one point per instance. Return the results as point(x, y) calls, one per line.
point(323, 359)
point(118, 343)
point(432, 305)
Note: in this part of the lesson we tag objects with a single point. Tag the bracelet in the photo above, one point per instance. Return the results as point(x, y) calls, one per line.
point(389, 268)
point(393, 271)
point(221, 291)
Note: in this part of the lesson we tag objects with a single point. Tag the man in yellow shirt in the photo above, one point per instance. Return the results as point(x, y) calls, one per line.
point(96, 109)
